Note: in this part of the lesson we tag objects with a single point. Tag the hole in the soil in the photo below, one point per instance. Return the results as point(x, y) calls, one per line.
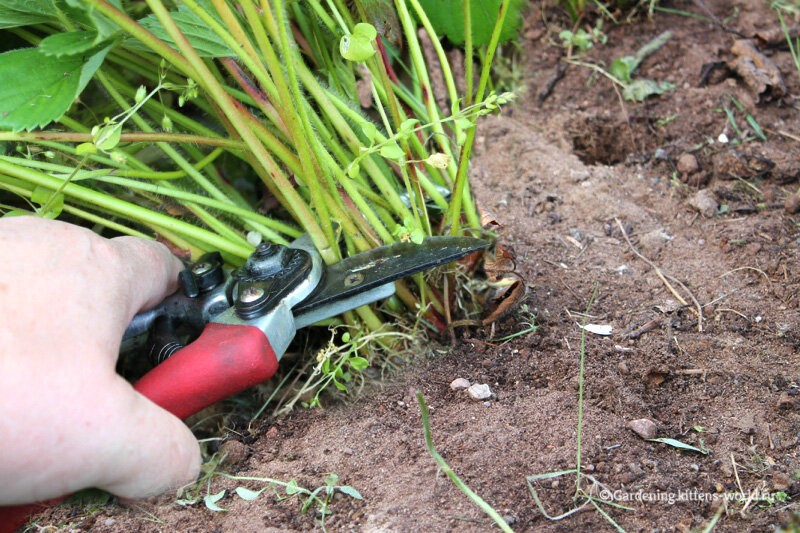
point(606, 141)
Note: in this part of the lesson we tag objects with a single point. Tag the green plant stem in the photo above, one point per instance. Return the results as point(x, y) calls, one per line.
point(130, 137)
point(581, 384)
point(269, 170)
point(125, 209)
point(267, 227)
point(136, 30)
point(444, 467)
point(468, 54)
point(461, 186)
point(185, 165)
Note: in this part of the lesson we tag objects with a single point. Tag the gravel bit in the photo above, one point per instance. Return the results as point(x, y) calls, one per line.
point(460, 384)
point(480, 392)
point(687, 164)
point(644, 427)
point(704, 202)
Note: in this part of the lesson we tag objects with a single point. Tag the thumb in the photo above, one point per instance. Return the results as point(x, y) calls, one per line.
point(148, 450)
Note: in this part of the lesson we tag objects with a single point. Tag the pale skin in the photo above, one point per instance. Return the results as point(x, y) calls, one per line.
point(68, 421)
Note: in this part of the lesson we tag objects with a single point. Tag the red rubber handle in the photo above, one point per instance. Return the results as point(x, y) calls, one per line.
point(224, 360)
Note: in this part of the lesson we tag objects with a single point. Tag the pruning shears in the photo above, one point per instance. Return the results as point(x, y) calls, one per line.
point(225, 331)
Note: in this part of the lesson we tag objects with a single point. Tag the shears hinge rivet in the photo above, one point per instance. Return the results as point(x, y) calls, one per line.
point(251, 294)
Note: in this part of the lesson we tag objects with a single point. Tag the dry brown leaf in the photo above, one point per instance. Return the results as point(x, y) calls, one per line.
point(499, 265)
point(505, 302)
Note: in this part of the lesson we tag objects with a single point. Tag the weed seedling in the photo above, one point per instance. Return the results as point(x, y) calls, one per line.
point(583, 40)
point(318, 499)
point(596, 494)
point(621, 70)
point(529, 326)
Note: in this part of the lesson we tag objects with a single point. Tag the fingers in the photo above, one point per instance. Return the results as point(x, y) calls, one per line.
point(150, 271)
point(147, 450)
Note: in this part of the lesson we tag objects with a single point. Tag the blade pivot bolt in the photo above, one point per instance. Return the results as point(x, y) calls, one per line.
point(251, 294)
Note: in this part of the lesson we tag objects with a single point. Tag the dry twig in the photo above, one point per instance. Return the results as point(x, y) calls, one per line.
point(699, 309)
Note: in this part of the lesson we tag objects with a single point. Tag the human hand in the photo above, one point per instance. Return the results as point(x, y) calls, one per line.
point(68, 421)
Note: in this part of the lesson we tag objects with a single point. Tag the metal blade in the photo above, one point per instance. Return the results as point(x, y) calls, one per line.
point(367, 270)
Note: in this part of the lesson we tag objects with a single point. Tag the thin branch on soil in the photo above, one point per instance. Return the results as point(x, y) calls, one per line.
point(754, 269)
point(785, 134)
point(698, 312)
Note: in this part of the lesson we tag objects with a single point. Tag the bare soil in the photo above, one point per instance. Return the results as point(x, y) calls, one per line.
point(565, 175)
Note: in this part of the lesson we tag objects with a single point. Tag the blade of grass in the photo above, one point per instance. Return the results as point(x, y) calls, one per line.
point(485, 507)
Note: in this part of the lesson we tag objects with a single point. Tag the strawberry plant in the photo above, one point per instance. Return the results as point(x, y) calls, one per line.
point(212, 125)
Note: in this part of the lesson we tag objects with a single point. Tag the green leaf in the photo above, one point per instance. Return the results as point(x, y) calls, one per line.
point(358, 45)
point(582, 40)
point(293, 488)
point(391, 150)
point(85, 14)
point(16, 213)
point(365, 30)
point(678, 444)
point(43, 90)
point(622, 68)
point(247, 494)
point(107, 137)
point(44, 86)
point(408, 125)
point(353, 169)
point(14, 13)
point(464, 123)
point(339, 386)
point(447, 18)
point(205, 42)
point(417, 235)
point(85, 148)
point(358, 363)
point(641, 89)
point(350, 491)
point(370, 131)
point(51, 204)
point(211, 501)
point(68, 43)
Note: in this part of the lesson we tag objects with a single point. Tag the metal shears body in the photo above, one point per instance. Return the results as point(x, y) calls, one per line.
point(239, 323)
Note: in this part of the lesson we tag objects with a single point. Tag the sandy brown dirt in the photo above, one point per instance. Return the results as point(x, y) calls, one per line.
point(564, 176)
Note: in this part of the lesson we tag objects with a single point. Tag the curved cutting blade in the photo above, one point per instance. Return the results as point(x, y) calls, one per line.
point(374, 268)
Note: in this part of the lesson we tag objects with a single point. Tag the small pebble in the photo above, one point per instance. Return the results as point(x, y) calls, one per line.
point(687, 164)
point(644, 427)
point(792, 204)
point(108, 522)
point(781, 481)
point(704, 202)
point(235, 452)
point(480, 392)
point(460, 384)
